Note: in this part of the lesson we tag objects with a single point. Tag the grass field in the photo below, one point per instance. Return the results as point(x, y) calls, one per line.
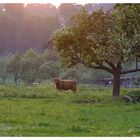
point(44, 111)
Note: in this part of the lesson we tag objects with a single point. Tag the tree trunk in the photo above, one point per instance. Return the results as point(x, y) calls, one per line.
point(116, 85)
point(15, 80)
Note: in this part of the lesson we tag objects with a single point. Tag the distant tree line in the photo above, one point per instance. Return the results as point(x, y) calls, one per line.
point(32, 67)
point(20, 30)
point(23, 27)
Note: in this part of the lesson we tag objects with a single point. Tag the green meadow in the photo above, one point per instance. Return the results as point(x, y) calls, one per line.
point(41, 110)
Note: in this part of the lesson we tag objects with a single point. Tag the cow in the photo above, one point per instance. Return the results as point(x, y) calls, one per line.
point(65, 84)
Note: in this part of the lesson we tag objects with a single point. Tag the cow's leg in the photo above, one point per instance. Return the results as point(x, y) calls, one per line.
point(74, 90)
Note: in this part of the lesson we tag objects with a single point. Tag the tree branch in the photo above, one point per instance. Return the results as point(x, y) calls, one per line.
point(98, 66)
point(74, 63)
point(110, 64)
point(130, 71)
point(101, 67)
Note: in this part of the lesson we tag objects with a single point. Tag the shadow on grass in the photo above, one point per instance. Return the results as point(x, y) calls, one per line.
point(77, 128)
point(43, 124)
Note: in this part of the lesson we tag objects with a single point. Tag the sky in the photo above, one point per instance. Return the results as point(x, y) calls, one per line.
point(58, 2)
point(55, 2)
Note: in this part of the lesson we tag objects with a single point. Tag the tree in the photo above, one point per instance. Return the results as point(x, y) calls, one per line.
point(50, 67)
point(30, 66)
point(14, 67)
point(103, 41)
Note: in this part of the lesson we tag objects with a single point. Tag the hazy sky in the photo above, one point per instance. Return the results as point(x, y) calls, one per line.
point(57, 2)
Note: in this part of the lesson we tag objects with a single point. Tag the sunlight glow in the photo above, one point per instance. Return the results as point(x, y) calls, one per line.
point(57, 2)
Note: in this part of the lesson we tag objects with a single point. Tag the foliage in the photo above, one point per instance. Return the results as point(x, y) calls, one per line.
point(20, 30)
point(33, 67)
point(14, 67)
point(30, 66)
point(126, 17)
point(50, 67)
point(88, 41)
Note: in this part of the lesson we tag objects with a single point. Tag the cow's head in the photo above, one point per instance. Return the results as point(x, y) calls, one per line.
point(56, 80)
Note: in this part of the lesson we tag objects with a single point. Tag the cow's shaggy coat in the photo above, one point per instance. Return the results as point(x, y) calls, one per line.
point(65, 84)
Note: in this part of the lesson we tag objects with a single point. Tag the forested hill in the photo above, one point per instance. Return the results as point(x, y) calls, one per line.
point(23, 27)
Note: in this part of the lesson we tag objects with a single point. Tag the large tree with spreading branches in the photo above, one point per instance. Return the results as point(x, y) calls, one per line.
point(103, 41)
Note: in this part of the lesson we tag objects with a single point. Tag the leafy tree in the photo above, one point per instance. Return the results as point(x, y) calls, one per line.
point(103, 41)
point(14, 67)
point(50, 68)
point(30, 65)
point(71, 73)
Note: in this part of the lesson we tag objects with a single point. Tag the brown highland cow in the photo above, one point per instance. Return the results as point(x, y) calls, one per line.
point(65, 84)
